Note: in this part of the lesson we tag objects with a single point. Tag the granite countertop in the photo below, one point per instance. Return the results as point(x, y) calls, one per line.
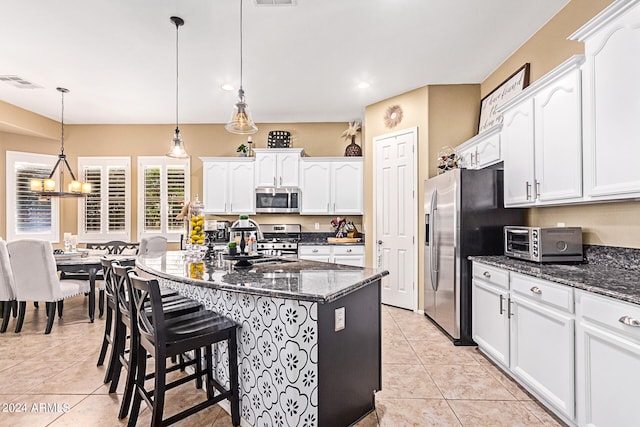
point(274, 277)
point(619, 283)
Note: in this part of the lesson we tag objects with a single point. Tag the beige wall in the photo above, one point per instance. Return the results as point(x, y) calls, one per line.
point(318, 140)
point(610, 224)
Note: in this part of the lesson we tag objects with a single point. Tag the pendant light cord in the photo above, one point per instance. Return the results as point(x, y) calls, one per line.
point(62, 126)
point(177, 79)
point(241, 45)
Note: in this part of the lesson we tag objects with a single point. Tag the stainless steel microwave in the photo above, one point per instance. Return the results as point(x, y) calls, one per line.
point(554, 244)
point(277, 200)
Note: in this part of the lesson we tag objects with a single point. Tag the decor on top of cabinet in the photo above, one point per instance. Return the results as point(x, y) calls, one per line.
point(447, 159)
point(279, 139)
point(513, 85)
point(242, 150)
point(393, 116)
point(353, 149)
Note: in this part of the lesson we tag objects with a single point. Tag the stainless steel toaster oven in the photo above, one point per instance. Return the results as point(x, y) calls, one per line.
point(538, 244)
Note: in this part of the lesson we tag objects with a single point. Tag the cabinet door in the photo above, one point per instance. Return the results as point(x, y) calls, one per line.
point(346, 187)
point(518, 142)
point(266, 169)
point(468, 158)
point(241, 189)
point(288, 169)
point(315, 253)
point(542, 352)
point(354, 260)
point(612, 107)
point(487, 152)
point(490, 322)
point(316, 187)
point(607, 362)
point(214, 187)
point(558, 140)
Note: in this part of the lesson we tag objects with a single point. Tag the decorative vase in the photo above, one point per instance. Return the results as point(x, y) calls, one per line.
point(353, 149)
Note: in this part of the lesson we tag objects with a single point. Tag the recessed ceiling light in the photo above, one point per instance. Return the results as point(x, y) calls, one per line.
point(363, 85)
point(226, 86)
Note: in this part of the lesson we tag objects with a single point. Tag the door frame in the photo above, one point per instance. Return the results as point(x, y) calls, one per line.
point(414, 210)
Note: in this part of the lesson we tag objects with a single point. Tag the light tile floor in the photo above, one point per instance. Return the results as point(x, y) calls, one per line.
point(52, 380)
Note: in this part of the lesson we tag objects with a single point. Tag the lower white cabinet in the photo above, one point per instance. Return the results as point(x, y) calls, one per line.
point(527, 326)
point(348, 254)
point(608, 361)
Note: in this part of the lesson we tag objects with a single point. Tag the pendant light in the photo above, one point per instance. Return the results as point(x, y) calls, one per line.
point(241, 121)
point(49, 187)
point(177, 145)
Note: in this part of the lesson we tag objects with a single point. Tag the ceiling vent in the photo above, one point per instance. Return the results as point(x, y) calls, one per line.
point(275, 2)
point(19, 82)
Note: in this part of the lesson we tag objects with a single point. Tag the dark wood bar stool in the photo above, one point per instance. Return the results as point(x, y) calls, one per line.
point(162, 338)
point(111, 307)
point(173, 305)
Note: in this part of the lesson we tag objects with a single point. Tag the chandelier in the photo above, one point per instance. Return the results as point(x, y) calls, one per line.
point(49, 187)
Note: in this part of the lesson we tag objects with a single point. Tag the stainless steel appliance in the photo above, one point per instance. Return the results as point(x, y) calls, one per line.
point(280, 239)
point(464, 215)
point(553, 244)
point(277, 200)
point(217, 231)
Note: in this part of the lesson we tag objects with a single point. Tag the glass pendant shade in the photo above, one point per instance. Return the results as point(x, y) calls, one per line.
point(241, 121)
point(177, 147)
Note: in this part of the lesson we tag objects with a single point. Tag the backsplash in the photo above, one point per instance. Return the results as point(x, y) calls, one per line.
point(611, 256)
point(320, 237)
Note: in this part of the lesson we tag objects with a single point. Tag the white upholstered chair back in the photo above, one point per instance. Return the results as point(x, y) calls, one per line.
point(7, 285)
point(34, 270)
point(153, 245)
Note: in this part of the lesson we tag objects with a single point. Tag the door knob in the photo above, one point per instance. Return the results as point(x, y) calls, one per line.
point(379, 242)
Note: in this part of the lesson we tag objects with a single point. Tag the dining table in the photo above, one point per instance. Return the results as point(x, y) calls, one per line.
point(91, 265)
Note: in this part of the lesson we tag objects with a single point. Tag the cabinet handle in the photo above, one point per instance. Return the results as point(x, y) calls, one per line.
point(274, 181)
point(477, 162)
point(536, 290)
point(349, 251)
point(334, 206)
point(501, 304)
point(471, 163)
point(487, 274)
point(537, 188)
point(280, 180)
point(629, 321)
point(314, 250)
point(509, 313)
point(528, 189)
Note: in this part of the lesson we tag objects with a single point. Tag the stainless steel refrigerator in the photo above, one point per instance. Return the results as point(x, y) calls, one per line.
point(464, 215)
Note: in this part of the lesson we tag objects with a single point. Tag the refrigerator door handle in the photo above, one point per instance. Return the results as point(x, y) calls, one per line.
point(433, 246)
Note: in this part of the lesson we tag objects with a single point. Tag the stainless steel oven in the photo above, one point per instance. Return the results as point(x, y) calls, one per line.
point(277, 200)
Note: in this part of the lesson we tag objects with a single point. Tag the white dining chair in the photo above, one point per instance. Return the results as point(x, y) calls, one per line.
point(36, 279)
point(153, 245)
point(7, 287)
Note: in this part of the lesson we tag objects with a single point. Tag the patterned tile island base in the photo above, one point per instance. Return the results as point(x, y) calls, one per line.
point(295, 369)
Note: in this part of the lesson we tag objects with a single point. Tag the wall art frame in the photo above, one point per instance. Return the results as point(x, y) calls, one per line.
point(513, 85)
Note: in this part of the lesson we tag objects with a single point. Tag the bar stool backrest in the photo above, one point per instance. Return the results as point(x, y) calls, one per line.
point(141, 290)
point(121, 291)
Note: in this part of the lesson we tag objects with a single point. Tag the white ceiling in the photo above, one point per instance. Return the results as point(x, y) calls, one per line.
point(302, 63)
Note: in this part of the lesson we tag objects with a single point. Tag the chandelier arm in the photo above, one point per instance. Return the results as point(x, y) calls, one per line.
point(55, 167)
point(73, 177)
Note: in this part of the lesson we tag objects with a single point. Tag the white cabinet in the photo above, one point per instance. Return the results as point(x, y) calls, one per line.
point(482, 150)
point(347, 254)
point(542, 339)
point(527, 325)
point(608, 361)
point(542, 140)
point(611, 106)
point(490, 320)
point(331, 185)
point(277, 167)
point(228, 185)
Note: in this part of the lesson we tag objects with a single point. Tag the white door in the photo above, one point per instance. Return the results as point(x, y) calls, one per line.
point(396, 216)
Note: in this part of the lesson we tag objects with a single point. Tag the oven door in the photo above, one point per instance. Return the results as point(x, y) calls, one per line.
point(517, 242)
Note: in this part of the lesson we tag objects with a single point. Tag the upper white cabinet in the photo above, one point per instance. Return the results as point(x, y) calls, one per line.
point(331, 185)
point(277, 167)
point(227, 185)
point(611, 106)
point(482, 150)
point(542, 140)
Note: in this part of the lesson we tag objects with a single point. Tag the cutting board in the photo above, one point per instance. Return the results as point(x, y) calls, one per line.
point(343, 239)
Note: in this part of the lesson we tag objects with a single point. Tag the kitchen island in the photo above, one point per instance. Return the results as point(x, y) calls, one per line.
point(309, 341)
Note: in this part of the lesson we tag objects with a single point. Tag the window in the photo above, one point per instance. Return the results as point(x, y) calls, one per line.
point(105, 213)
point(28, 215)
point(163, 186)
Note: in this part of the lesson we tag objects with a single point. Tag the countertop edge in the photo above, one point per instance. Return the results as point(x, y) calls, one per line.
point(265, 292)
point(511, 265)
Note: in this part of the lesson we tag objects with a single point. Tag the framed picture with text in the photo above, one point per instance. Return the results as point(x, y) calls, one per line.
point(512, 86)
